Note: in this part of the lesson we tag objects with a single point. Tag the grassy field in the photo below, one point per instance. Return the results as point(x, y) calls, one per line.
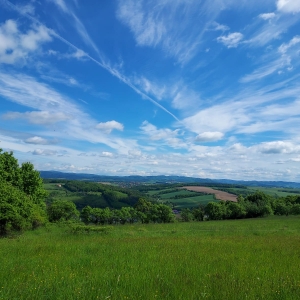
point(242, 259)
point(186, 199)
point(274, 192)
point(191, 202)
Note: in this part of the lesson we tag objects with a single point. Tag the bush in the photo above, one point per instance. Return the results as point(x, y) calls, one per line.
point(22, 204)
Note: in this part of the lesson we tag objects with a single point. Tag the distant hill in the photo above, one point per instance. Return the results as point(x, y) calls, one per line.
point(162, 179)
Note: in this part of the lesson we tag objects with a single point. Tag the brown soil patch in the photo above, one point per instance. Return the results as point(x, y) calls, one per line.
point(220, 195)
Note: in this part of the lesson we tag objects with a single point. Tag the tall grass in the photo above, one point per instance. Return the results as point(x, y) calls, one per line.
point(244, 259)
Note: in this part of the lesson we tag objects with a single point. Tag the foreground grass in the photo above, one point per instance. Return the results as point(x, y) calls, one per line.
point(244, 259)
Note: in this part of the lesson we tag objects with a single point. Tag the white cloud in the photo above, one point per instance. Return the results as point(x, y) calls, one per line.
point(135, 153)
point(267, 16)
point(15, 46)
point(209, 136)
point(37, 140)
point(107, 154)
point(44, 152)
point(285, 47)
point(216, 26)
point(278, 147)
point(219, 118)
point(231, 40)
point(109, 126)
point(38, 117)
point(288, 6)
point(238, 147)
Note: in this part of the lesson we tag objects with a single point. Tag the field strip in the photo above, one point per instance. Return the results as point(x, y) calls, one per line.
point(220, 195)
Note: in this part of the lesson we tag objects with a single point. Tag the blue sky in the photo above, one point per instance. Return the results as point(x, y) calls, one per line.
point(204, 88)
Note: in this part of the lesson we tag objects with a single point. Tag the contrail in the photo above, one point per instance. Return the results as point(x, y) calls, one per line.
point(102, 64)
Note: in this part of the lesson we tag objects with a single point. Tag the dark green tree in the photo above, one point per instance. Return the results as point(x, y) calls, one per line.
point(198, 213)
point(164, 213)
point(86, 215)
point(145, 210)
point(21, 200)
point(186, 215)
point(235, 210)
point(216, 211)
point(62, 210)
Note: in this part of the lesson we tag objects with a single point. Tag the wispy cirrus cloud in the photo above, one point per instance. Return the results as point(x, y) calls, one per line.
point(159, 26)
point(37, 117)
point(271, 108)
point(52, 107)
point(61, 4)
point(281, 59)
point(269, 27)
point(176, 92)
point(35, 95)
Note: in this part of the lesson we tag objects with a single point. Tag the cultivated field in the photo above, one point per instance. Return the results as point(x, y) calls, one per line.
point(242, 259)
point(220, 195)
point(181, 198)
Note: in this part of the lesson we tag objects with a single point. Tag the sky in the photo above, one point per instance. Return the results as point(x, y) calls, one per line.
point(201, 88)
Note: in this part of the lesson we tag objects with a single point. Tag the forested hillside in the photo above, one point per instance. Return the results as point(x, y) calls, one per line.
point(94, 194)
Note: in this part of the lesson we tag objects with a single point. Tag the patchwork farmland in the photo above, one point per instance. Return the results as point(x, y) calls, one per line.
point(220, 195)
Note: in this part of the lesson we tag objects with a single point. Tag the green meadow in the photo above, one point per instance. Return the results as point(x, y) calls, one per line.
point(234, 259)
point(181, 198)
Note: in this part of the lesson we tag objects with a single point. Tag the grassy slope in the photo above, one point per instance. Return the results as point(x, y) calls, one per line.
point(243, 259)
